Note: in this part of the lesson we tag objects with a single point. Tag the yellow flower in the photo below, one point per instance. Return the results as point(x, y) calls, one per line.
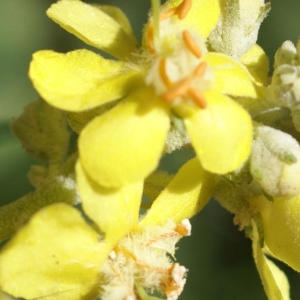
point(58, 255)
point(171, 74)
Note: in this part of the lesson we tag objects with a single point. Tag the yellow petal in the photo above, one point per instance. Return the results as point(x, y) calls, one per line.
point(56, 255)
point(92, 25)
point(115, 211)
point(230, 77)
point(221, 134)
point(202, 17)
point(124, 145)
point(117, 14)
point(257, 63)
point(281, 228)
point(80, 79)
point(185, 196)
point(78, 120)
point(274, 280)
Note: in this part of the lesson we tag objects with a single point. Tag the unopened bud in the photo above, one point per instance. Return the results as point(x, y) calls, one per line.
point(285, 86)
point(275, 162)
point(285, 54)
point(237, 29)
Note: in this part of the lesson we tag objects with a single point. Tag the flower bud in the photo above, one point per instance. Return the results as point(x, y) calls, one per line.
point(285, 86)
point(285, 54)
point(275, 162)
point(237, 29)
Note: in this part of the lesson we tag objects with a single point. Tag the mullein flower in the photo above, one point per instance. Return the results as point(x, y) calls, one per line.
point(171, 75)
point(58, 255)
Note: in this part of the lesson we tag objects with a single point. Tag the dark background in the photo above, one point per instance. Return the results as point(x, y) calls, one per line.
point(218, 256)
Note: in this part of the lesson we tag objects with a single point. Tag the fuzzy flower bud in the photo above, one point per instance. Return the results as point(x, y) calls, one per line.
point(238, 26)
point(285, 86)
point(275, 162)
point(285, 54)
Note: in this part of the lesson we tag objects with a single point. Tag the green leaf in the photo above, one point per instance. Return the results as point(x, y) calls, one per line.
point(16, 214)
point(43, 132)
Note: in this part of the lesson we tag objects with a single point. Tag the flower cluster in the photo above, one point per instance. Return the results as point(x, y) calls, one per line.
point(104, 220)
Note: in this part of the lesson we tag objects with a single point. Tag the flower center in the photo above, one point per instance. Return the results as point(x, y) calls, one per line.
point(178, 71)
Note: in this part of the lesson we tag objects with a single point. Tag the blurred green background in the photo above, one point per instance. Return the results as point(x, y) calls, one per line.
point(218, 257)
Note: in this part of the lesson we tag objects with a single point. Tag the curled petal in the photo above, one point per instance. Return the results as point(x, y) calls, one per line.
point(221, 134)
point(184, 196)
point(230, 77)
point(115, 211)
point(257, 62)
point(92, 25)
point(281, 228)
point(80, 79)
point(275, 282)
point(124, 145)
point(58, 252)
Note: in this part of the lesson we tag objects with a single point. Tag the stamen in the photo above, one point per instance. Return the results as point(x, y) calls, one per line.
point(163, 74)
point(181, 229)
point(155, 11)
point(184, 8)
point(178, 90)
point(150, 39)
point(168, 13)
point(200, 69)
point(197, 97)
point(171, 289)
point(191, 44)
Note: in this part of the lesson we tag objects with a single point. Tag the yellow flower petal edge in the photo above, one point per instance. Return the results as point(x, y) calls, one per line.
point(92, 25)
point(58, 252)
point(124, 145)
point(80, 79)
point(185, 195)
point(221, 134)
point(115, 211)
point(230, 77)
point(257, 62)
point(202, 17)
point(274, 280)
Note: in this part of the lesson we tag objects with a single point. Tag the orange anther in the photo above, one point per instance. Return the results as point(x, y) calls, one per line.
point(177, 90)
point(150, 39)
point(191, 44)
point(197, 97)
point(200, 69)
point(181, 229)
point(163, 74)
point(184, 8)
point(171, 288)
point(168, 13)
